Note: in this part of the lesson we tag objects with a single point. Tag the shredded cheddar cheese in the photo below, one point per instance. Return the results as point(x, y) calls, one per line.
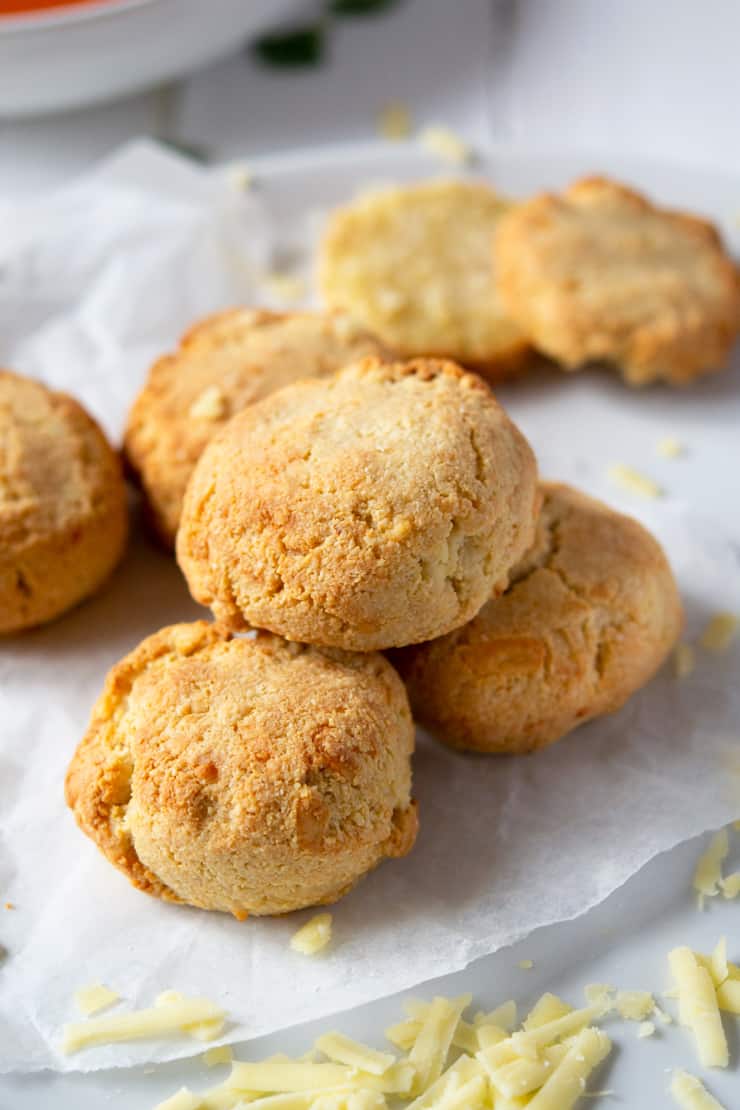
point(634, 1005)
point(223, 1054)
point(394, 122)
point(698, 1007)
point(172, 1014)
point(313, 936)
point(91, 1000)
point(670, 448)
point(708, 873)
point(446, 144)
point(691, 1094)
point(633, 481)
point(719, 632)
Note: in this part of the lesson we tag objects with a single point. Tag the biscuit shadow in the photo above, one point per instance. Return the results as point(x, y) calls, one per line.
point(144, 593)
point(473, 808)
point(432, 880)
point(706, 397)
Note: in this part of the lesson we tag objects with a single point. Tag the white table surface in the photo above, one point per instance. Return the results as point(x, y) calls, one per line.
point(620, 75)
point(658, 78)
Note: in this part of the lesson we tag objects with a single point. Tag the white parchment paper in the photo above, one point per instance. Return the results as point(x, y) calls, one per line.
point(93, 284)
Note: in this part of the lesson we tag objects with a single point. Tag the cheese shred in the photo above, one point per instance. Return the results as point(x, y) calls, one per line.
point(633, 481)
point(691, 1094)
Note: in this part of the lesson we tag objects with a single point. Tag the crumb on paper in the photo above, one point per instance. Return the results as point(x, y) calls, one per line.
point(634, 1005)
point(221, 1054)
point(313, 936)
point(662, 1015)
point(633, 481)
point(684, 659)
point(645, 1029)
point(599, 994)
point(91, 1000)
point(526, 965)
point(286, 288)
point(446, 144)
point(670, 448)
point(394, 121)
point(10, 905)
point(719, 632)
point(240, 176)
point(730, 885)
point(211, 404)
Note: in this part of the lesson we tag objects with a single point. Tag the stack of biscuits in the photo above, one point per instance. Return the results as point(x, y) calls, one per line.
point(368, 527)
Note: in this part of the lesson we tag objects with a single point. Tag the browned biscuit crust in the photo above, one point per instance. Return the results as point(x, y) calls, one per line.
point(63, 513)
point(250, 776)
point(223, 364)
point(590, 616)
point(600, 273)
point(374, 509)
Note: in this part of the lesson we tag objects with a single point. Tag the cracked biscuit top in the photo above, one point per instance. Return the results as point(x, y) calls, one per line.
point(374, 509)
point(223, 364)
point(591, 613)
point(63, 513)
point(250, 776)
point(600, 273)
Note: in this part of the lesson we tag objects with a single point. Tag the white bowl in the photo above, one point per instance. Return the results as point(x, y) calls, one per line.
point(66, 57)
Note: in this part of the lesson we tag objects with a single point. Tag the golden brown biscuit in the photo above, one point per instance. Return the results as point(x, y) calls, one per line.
point(373, 509)
point(222, 365)
point(589, 617)
point(63, 514)
point(251, 776)
point(600, 273)
point(414, 265)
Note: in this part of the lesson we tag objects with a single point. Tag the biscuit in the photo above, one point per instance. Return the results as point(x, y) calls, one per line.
point(250, 776)
point(589, 617)
point(63, 512)
point(600, 273)
point(414, 265)
point(222, 365)
point(373, 509)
